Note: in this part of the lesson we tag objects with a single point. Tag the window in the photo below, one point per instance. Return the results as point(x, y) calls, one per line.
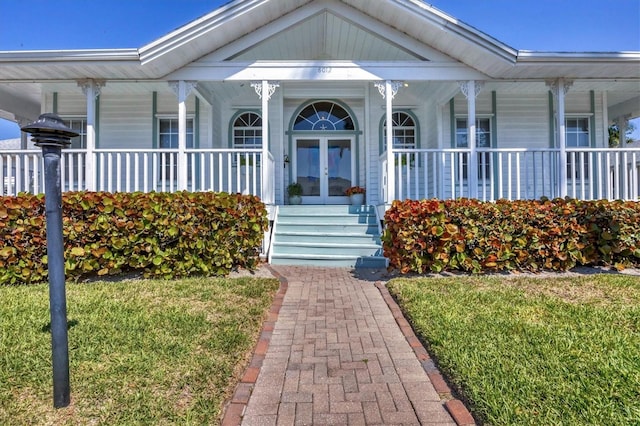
point(483, 140)
point(577, 135)
point(247, 131)
point(78, 125)
point(77, 172)
point(404, 131)
point(323, 116)
point(168, 135)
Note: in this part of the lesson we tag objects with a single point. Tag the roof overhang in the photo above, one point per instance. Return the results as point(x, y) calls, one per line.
point(409, 21)
point(45, 65)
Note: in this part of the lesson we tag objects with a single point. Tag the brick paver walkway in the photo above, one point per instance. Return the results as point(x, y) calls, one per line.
point(337, 356)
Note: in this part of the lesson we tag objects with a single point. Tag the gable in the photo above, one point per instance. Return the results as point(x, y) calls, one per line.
point(326, 36)
point(355, 30)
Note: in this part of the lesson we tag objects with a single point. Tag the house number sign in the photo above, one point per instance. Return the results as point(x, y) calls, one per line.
point(324, 70)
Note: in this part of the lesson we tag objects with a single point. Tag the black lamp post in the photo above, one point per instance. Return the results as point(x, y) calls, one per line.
point(50, 133)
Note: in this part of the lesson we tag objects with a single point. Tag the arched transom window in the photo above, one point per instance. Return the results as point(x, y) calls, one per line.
point(247, 131)
point(404, 130)
point(323, 116)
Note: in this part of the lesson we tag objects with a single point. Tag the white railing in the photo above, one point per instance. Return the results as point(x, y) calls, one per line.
point(518, 173)
point(145, 170)
point(592, 173)
point(20, 171)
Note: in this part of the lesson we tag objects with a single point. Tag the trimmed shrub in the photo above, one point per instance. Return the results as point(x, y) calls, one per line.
point(473, 236)
point(164, 235)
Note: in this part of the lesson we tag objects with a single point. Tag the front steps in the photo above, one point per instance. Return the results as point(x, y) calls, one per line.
point(341, 235)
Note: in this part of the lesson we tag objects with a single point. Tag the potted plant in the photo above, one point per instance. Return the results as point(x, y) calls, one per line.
point(295, 191)
point(356, 195)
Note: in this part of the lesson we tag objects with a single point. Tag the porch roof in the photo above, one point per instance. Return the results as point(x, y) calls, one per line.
point(418, 30)
point(359, 39)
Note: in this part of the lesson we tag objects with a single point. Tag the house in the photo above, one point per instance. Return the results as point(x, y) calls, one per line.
point(261, 93)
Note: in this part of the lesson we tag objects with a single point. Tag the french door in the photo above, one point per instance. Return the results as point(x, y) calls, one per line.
point(324, 166)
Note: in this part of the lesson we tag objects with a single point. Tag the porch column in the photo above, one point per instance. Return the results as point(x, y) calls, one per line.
point(24, 137)
point(265, 90)
point(470, 90)
point(622, 184)
point(623, 124)
point(91, 89)
point(182, 89)
point(559, 89)
point(388, 91)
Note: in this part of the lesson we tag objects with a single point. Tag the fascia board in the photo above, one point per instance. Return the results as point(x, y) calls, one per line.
point(459, 28)
point(573, 57)
point(197, 28)
point(327, 70)
point(85, 55)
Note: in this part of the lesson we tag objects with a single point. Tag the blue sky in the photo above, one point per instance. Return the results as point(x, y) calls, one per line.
point(542, 25)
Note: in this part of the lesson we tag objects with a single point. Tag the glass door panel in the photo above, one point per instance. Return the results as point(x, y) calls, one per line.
point(308, 166)
point(338, 166)
point(324, 167)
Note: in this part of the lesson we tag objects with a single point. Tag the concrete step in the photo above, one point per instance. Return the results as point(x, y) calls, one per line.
point(323, 228)
point(327, 236)
point(310, 237)
point(335, 248)
point(328, 209)
point(343, 218)
point(331, 261)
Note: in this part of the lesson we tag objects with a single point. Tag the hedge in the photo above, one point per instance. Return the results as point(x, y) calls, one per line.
point(472, 236)
point(164, 235)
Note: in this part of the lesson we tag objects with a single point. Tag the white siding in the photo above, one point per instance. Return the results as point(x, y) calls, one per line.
point(522, 120)
point(126, 121)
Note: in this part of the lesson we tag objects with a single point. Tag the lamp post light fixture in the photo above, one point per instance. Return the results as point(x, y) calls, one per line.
point(50, 133)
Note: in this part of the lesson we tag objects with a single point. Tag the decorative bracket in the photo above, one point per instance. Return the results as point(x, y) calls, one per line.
point(87, 83)
point(554, 86)
point(189, 86)
point(464, 88)
point(382, 88)
point(257, 86)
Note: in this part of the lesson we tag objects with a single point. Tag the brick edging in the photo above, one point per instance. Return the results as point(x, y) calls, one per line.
point(235, 407)
point(456, 408)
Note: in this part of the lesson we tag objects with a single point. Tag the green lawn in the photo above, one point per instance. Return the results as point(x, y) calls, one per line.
point(141, 352)
point(534, 351)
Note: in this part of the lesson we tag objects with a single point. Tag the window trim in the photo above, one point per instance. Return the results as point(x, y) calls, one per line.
point(77, 117)
point(160, 117)
point(382, 135)
point(234, 118)
point(587, 163)
point(484, 158)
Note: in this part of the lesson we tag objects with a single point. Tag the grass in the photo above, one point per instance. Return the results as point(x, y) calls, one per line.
point(141, 352)
point(532, 351)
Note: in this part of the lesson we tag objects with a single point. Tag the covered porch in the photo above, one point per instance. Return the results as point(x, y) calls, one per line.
point(509, 173)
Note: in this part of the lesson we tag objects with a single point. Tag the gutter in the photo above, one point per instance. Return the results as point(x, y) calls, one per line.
point(84, 55)
point(535, 56)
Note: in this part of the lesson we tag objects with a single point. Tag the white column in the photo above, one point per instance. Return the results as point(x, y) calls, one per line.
point(623, 124)
point(265, 90)
point(388, 91)
point(91, 89)
point(182, 89)
point(470, 90)
point(24, 140)
point(559, 88)
point(562, 139)
point(265, 139)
